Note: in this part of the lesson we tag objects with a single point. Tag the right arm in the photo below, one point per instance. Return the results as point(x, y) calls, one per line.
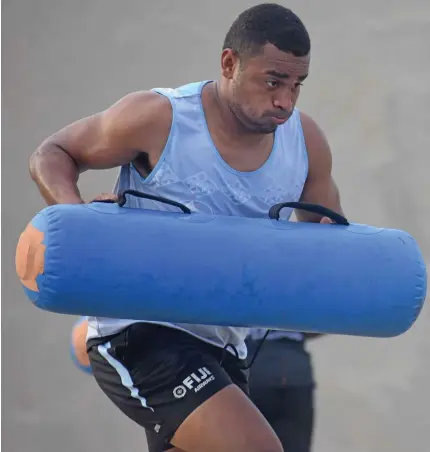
point(139, 122)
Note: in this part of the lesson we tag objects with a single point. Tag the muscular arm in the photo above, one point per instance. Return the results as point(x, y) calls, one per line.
point(320, 188)
point(139, 122)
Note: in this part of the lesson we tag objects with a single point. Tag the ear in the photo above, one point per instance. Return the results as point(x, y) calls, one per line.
point(229, 63)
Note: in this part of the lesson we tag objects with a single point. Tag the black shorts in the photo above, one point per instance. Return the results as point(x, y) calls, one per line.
point(158, 375)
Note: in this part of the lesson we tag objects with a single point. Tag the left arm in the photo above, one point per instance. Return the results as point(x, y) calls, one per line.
point(320, 188)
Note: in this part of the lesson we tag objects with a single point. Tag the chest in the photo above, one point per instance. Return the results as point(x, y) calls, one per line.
point(243, 157)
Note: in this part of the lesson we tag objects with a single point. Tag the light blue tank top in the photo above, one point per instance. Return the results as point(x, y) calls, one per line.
point(191, 171)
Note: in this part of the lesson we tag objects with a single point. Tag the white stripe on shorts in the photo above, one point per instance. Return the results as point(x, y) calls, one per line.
point(123, 374)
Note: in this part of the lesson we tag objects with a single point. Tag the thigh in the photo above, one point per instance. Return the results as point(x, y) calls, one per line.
point(229, 422)
point(157, 376)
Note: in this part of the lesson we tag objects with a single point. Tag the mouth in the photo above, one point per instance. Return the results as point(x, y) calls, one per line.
point(279, 120)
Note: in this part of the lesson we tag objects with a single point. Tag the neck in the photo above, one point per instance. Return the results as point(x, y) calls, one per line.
point(233, 129)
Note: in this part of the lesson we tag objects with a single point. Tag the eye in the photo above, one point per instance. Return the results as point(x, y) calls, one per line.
point(272, 83)
point(298, 84)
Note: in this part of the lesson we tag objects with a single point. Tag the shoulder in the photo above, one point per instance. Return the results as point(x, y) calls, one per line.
point(137, 109)
point(138, 118)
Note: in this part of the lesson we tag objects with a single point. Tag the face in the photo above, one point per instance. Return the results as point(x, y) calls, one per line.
point(263, 90)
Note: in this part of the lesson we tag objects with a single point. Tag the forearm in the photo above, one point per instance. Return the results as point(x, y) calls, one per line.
point(326, 195)
point(55, 174)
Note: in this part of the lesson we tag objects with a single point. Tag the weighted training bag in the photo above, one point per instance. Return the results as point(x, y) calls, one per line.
point(103, 259)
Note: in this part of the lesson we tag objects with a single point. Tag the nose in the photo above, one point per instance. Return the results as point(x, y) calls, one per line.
point(284, 100)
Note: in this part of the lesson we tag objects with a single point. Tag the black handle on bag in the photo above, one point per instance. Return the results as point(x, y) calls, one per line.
point(314, 208)
point(122, 199)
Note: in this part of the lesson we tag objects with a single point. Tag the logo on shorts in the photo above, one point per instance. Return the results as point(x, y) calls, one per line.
point(202, 377)
point(179, 392)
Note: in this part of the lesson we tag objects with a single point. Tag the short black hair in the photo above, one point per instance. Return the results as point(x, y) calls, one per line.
point(267, 23)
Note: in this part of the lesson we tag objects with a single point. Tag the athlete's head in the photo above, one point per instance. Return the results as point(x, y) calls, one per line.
point(265, 59)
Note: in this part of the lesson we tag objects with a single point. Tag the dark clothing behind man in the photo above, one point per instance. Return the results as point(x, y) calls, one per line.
point(282, 386)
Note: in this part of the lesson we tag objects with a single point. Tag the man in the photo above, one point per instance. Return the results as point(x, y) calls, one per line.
point(232, 147)
point(281, 384)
